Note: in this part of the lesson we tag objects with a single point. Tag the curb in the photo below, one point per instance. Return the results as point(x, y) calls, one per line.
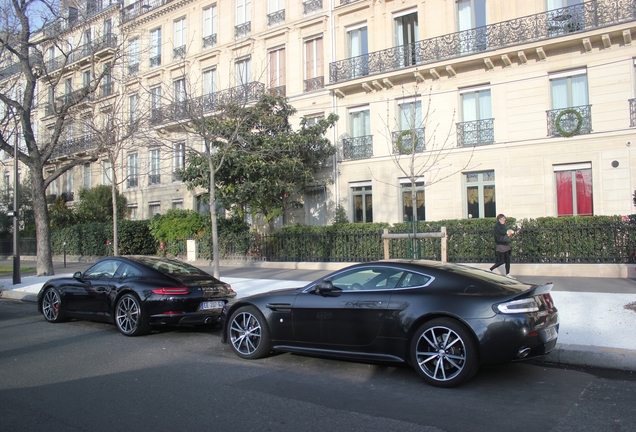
point(18, 295)
point(592, 356)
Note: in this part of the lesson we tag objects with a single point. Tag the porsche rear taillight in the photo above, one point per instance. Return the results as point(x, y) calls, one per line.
point(171, 291)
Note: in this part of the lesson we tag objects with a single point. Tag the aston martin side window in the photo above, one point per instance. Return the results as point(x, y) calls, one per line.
point(414, 280)
point(103, 270)
point(365, 279)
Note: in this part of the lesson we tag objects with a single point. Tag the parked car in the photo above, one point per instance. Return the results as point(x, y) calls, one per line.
point(136, 293)
point(446, 320)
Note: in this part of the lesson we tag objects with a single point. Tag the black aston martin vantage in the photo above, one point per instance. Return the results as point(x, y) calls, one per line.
point(446, 320)
point(135, 293)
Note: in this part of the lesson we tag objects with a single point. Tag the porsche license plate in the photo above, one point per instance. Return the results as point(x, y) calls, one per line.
point(211, 305)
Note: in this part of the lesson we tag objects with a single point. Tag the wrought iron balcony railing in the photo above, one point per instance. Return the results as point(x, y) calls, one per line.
point(312, 84)
point(570, 121)
point(344, 2)
point(403, 141)
point(632, 113)
point(531, 28)
point(202, 105)
point(209, 41)
point(357, 147)
point(154, 179)
point(155, 61)
point(68, 196)
point(179, 53)
point(278, 91)
point(475, 133)
point(133, 181)
point(311, 6)
point(74, 146)
point(133, 69)
point(107, 89)
point(140, 8)
point(242, 30)
point(276, 18)
point(74, 97)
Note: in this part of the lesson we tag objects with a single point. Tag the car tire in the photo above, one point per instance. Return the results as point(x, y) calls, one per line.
point(51, 303)
point(129, 316)
point(444, 353)
point(249, 334)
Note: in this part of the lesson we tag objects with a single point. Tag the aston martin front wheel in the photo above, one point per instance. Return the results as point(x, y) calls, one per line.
point(444, 353)
point(249, 334)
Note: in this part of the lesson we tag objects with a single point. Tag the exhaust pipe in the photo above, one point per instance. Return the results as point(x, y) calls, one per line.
point(207, 320)
point(523, 352)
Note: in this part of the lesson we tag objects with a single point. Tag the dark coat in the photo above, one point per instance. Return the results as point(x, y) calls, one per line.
point(501, 236)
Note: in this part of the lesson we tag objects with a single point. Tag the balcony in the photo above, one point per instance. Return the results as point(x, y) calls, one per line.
point(312, 84)
point(133, 181)
point(357, 147)
point(242, 30)
point(276, 18)
point(74, 97)
point(403, 141)
point(74, 146)
point(68, 196)
point(475, 133)
point(278, 91)
point(94, 48)
point(207, 104)
point(133, 69)
point(632, 113)
point(140, 8)
point(154, 179)
point(518, 31)
point(107, 89)
point(209, 41)
point(567, 122)
point(312, 6)
point(155, 61)
point(179, 53)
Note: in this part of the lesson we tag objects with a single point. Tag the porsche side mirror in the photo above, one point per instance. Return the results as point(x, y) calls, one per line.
point(77, 275)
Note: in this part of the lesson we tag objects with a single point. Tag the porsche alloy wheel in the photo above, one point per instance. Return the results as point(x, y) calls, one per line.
point(129, 316)
point(51, 306)
point(443, 353)
point(249, 334)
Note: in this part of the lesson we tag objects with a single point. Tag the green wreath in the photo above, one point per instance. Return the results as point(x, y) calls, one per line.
point(400, 146)
point(579, 122)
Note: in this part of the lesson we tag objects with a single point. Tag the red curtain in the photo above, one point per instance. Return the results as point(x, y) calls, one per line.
point(584, 192)
point(564, 193)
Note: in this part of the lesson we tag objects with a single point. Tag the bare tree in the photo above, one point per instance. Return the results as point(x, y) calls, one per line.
point(40, 45)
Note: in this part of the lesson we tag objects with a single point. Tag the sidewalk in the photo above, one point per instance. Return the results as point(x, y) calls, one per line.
point(597, 315)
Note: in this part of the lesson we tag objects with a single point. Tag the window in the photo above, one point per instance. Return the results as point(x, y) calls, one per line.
point(155, 167)
point(277, 70)
point(209, 26)
point(243, 11)
point(478, 125)
point(133, 57)
point(86, 176)
point(275, 12)
point(360, 122)
point(155, 47)
point(177, 204)
point(242, 69)
point(561, 21)
point(410, 119)
point(133, 106)
point(314, 66)
point(407, 201)
point(362, 200)
point(406, 36)
point(7, 183)
point(209, 81)
point(133, 170)
point(358, 49)
point(480, 194)
point(360, 145)
point(102, 270)
point(67, 183)
point(369, 278)
point(134, 214)
point(178, 162)
point(108, 27)
point(107, 80)
point(315, 204)
point(574, 189)
point(179, 39)
point(155, 105)
point(68, 90)
point(471, 14)
point(569, 89)
point(154, 208)
point(86, 78)
point(107, 173)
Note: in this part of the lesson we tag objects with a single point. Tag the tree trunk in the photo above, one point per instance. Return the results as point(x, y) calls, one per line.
point(44, 263)
point(215, 234)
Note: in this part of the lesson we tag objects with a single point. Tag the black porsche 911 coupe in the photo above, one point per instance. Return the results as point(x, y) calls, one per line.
point(446, 320)
point(135, 293)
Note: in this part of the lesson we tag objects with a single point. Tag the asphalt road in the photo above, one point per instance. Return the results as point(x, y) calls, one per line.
point(83, 376)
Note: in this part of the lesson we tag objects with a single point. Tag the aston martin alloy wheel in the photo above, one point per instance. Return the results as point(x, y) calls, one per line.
point(249, 334)
point(443, 353)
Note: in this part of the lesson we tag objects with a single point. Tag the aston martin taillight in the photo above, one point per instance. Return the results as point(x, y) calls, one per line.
point(519, 306)
point(171, 291)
